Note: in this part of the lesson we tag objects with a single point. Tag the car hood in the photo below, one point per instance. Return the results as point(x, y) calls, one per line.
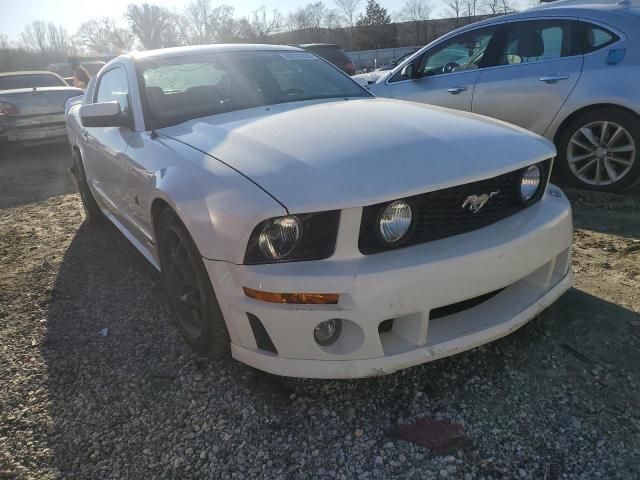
point(324, 155)
point(373, 77)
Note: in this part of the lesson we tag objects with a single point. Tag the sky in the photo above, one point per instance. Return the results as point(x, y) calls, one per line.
point(15, 14)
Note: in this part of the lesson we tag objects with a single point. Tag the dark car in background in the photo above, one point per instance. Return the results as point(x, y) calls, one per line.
point(92, 66)
point(32, 107)
point(332, 53)
point(66, 70)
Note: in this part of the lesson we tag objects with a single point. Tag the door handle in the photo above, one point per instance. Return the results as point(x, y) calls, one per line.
point(554, 77)
point(456, 90)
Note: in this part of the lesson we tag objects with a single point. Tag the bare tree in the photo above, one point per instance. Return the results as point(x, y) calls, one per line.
point(226, 26)
point(154, 26)
point(203, 23)
point(492, 7)
point(316, 13)
point(497, 7)
point(507, 6)
point(332, 19)
point(416, 13)
point(260, 24)
point(349, 9)
point(103, 36)
point(297, 20)
point(34, 37)
point(58, 39)
point(194, 24)
point(470, 8)
point(4, 42)
point(455, 9)
point(44, 37)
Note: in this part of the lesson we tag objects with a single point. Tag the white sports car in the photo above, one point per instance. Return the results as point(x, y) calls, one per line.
point(313, 229)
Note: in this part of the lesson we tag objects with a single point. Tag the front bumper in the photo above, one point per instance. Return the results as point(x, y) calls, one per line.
point(526, 256)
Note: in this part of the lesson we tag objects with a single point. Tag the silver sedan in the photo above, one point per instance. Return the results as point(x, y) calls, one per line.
point(568, 71)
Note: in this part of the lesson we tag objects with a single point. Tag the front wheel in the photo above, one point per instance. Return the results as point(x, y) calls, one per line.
point(93, 214)
point(600, 150)
point(195, 307)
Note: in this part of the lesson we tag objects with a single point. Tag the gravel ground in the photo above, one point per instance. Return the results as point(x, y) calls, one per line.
point(557, 399)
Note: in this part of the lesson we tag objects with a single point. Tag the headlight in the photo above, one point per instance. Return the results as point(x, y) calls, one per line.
point(279, 237)
point(309, 236)
point(395, 221)
point(530, 182)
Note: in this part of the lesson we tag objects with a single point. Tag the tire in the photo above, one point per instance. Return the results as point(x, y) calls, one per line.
point(93, 214)
point(587, 160)
point(195, 307)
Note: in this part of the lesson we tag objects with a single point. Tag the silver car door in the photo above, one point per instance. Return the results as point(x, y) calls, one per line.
point(446, 73)
point(539, 64)
point(145, 156)
point(105, 147)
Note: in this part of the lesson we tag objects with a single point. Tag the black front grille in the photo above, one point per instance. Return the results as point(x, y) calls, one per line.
point(441, 214)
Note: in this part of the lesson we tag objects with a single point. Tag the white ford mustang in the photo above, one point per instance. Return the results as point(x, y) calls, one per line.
point(315, 230)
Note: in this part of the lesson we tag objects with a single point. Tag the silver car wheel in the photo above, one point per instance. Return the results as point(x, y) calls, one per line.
point(601, 153)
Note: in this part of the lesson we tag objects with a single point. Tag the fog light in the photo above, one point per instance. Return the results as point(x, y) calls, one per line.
point(530, 183)
point(395, 221)
point(327, 332)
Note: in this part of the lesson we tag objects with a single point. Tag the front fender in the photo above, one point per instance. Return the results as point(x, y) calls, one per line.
point(219, 206)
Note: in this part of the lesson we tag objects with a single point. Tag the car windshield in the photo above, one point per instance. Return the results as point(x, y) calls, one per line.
point(9, 82)
point(191, 86)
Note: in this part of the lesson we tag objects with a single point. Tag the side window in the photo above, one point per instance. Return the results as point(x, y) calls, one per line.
point(535, 41)
point(464, 52)
point(595, 37)
point(113, 86)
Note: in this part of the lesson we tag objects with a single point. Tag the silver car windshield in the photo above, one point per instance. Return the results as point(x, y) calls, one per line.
point(191, 86)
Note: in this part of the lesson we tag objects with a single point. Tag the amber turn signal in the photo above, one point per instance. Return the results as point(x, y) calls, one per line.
point(293, 298)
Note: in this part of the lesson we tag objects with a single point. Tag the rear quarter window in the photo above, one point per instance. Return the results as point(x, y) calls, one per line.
point(595, 37)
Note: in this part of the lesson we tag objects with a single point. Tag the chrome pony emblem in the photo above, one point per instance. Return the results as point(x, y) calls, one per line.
point(476, 202)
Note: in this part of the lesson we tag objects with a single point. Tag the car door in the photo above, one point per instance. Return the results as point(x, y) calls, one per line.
point(445, 74)
point(538, 66)
point(105, 147)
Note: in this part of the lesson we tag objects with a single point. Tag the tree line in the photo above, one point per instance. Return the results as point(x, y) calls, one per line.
point(354, 24)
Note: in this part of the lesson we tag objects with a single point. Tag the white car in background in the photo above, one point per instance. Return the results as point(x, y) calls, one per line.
point(310, 243)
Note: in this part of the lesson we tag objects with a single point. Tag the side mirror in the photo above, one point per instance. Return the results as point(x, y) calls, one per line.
point(409, 71)
point(106, 114)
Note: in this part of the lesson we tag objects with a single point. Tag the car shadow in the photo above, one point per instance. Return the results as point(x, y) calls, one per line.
point(613, 214)
point(32, 174)
point(124, 385)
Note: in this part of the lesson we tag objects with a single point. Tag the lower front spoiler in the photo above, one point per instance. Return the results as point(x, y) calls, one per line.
point(496, 324)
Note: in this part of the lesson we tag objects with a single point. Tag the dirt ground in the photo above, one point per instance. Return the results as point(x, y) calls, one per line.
point(557, 399)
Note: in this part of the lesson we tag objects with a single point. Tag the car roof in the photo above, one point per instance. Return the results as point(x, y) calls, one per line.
point(218, 48)
point(574, 8)
point(29, 72)
point(307, 45)
point(589, 4)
